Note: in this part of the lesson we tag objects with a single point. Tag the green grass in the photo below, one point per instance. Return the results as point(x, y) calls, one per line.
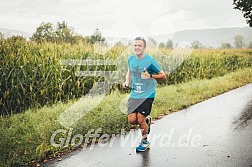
point(25, 137)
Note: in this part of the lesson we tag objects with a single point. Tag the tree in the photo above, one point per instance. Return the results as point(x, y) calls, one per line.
point(79, 38)
point(63, 33)
point(226, 45)
point(196, 45)
point(245, 6)
point(162, 45)
point(59, 33)
point(169, 44)
point(96, 37)
point(152, 41)
point(44, 32)
point(250, 44)
point(239, 41)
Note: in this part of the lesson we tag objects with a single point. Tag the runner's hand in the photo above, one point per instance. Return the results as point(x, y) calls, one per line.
point(145, 74)
point(125, 85)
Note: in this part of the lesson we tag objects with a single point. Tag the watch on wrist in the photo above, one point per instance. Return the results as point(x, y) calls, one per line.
point(151, 75)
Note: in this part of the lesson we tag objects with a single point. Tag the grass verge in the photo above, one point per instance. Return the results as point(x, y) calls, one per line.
point(25, 137)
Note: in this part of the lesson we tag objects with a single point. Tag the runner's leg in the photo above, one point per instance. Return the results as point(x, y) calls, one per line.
point(143, 125)
point(132, 118)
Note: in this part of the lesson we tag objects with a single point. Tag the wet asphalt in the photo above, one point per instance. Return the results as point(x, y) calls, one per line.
point(216, 132)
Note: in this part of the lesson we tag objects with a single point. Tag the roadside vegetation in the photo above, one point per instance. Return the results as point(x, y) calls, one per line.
point(25, 137)
point(39, 82)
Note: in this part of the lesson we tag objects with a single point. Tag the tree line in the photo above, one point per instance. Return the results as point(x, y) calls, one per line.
point(238, 43)
point(62, 33)
point(47, 32)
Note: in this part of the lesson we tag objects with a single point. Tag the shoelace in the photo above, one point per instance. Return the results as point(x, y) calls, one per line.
point(143, 142)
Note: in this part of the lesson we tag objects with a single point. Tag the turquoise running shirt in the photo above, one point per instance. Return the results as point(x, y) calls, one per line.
point(142, 88)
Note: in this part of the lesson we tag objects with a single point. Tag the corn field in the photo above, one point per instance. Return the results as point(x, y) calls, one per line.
point(33, 74)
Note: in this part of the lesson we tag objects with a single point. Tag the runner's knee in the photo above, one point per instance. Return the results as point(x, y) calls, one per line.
point(132, 119)
point(141, 119)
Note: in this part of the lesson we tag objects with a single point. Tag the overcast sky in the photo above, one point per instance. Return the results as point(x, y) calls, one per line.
point(121, 18)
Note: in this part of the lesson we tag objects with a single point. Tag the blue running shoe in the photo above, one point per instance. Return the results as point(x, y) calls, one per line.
point(143, 145)
point(148, 121)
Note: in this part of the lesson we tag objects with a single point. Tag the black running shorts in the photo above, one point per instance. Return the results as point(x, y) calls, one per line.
point(142, 106)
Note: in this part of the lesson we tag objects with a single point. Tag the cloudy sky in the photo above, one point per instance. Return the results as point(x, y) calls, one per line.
point(121, 18)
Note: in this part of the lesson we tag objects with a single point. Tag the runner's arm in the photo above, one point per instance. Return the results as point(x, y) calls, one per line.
point(159, 76)
point(127, 81)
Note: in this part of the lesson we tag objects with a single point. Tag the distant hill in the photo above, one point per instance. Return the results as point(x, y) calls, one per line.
point(209, 37)
point(8, 33)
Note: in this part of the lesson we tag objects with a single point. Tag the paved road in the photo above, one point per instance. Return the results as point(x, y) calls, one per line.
point(216, 132)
